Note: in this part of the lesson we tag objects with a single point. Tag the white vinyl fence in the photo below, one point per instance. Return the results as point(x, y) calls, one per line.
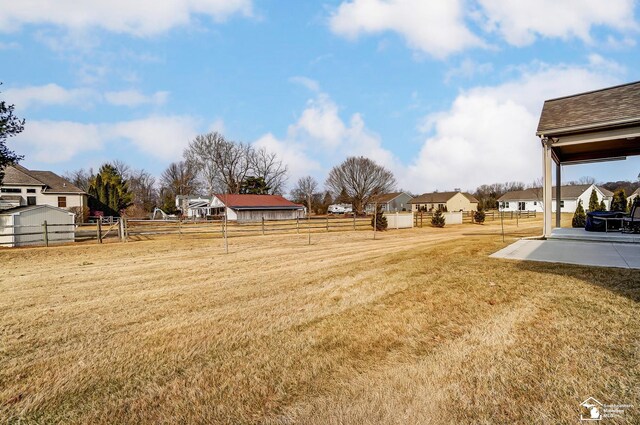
point(399, 220)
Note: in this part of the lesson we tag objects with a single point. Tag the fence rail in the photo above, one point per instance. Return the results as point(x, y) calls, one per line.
point(113, 228)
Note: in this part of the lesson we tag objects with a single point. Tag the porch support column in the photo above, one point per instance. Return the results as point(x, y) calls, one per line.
point(546, 188)
point(558, 200)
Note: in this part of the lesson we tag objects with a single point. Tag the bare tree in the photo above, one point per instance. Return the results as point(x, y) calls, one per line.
point(305, 190)
point(143, 188)
point(266, 165)
point(362, 179)
point(80, 178)
point(223, 165)
point(180, 178)
point(122, 168)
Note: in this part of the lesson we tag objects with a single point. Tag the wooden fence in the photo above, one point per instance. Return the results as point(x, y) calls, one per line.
point(116, 229)
point(421, 219)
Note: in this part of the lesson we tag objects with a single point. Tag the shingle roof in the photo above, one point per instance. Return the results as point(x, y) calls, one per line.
point(566, 192)
point(388, 197)
point(439, 197)
point(14, 210)
point(600, 108)
point(55, 183)
point(257, 202)
point(17, 175)
point(470, 197)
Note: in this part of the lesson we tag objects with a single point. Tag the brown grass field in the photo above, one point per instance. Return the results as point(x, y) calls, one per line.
point(416, 327)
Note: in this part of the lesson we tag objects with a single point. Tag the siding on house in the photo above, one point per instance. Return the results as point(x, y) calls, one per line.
point(252, 208)
point(23, 187)
point(392, 202)
point(531, 199)
point(454, 201)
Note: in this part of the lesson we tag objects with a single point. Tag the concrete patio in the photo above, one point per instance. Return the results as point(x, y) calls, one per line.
point(599, 252)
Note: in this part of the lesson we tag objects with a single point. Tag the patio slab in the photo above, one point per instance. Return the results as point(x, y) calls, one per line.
point(586, 253)
point(583, 235)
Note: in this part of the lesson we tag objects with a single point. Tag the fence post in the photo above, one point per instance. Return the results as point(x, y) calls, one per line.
point(262, 225)
point(120, 231)
point(45, 233)
point(397, 227)
point(99, 231)
point(298, 224)
point(180, 227)
point(354, 221)
point(327, 223)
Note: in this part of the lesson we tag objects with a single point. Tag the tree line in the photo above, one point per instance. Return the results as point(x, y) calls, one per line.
point(212, 164)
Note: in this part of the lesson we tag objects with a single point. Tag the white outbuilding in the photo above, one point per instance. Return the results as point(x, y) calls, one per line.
point(25, 225)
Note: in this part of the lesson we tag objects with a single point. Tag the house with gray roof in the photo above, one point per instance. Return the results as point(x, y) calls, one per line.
point(392, 202)
point(531, 199)
point(453, 201)
point(23, 187)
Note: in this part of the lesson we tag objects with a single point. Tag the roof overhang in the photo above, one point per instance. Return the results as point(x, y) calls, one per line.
point(594, 143)
point(296, 207)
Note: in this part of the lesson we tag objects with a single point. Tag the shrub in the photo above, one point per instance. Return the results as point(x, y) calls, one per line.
point(438, 219)
point(594, 205)
point(619, 201)
point(579, 217)
point(479, 215)
point(380, 219)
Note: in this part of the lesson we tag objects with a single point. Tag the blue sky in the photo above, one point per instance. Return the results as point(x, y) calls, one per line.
point(444, 93)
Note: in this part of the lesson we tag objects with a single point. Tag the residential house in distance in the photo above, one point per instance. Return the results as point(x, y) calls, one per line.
point(392, 202)
point(194, 206)
point(454, 201)
point(633, 196)
point(23, 187)
point(246, 208)
point(531, 199)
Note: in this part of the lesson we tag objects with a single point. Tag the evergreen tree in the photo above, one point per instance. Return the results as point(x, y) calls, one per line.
point(579, 217)
point(10, 125)
point(619, 201)
point(438, 219)
point(602, 206)
point(380, 219)
point(479, 215)
point(594, 205)
point(109, 191)
point(255, 186)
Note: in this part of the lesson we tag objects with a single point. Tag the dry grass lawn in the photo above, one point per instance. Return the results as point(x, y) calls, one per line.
point(417, 327)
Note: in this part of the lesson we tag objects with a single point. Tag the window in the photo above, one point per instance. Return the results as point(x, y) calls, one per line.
point(31, 200)
point(31, 191)
point(506, 205)
point(535, 202)
point(521, 206)
point(561, 204)
point(62, 202)
point(11, 190)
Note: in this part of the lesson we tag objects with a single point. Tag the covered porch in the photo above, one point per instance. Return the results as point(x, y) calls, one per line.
point(602, 125)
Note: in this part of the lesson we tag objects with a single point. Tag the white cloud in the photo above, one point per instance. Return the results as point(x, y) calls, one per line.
point(321, 138)
point(309, 83)
point(58, 141)
point(48, 94)
point(134, 98)
point(488, 134)
point(521, 22)
point(442, 28)
point(160, 137)
point(434, 27)
point(139, 17)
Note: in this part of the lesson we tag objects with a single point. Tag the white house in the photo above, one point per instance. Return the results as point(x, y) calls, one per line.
point(24, 225)
point(633, 196)
point(194, 206)
point(531, 199)
point(22, 187)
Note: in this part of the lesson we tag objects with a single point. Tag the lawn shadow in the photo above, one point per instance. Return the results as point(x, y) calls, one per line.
point(621, 281)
